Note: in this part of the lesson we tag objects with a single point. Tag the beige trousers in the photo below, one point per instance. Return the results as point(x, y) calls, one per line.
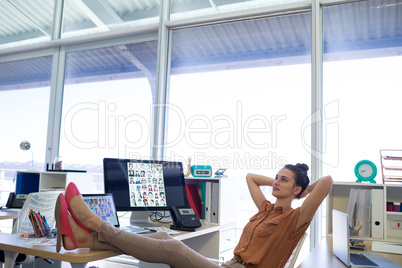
point(156, 248)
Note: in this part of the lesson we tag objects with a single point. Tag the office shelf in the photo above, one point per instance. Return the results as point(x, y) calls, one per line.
point(58, 181)
point(339, 197)
point(394, 213)
point(226, 219)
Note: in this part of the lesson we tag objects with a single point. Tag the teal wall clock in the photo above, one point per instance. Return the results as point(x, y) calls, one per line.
point(365, 170)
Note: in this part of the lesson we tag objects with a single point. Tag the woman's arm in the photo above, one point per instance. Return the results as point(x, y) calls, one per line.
point(316, 194)
point(254, 182)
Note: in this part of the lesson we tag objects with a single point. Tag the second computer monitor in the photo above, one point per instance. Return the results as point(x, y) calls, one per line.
point(141, 185)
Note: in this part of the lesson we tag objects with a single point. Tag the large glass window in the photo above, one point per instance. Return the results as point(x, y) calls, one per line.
point(88, 17)
point(362, 59)
point(181, 9)
point(240, 98)
point(23, 23)
point(24, 109)
point(108, 93)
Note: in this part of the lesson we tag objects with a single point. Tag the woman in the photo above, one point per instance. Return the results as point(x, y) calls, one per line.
point(271, 235)
point(267, 240)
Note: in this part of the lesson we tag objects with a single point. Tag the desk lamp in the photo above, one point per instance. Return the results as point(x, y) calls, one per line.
point(25, 146)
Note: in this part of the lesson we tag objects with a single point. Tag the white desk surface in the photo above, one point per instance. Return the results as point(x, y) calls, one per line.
point(14, 243)
point(322, 255)
point(5, 215)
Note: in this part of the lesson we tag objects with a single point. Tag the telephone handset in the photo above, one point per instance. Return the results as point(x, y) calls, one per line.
point(15, 202)
point(184, 219)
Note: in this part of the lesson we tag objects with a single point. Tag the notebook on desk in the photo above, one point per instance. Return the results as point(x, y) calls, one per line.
point(103, 206)
point(341, 246)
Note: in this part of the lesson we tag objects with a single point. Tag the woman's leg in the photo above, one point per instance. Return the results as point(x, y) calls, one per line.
point(159, 248)
point(151, 248)
point(96, 245)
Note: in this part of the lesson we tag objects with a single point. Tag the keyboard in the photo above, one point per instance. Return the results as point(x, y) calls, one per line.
point(360, 259)
point(137, 230)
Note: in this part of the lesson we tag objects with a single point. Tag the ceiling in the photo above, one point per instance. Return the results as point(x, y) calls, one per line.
point(355, 30)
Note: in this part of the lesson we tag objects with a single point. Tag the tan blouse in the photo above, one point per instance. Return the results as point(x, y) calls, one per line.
point(268, 239)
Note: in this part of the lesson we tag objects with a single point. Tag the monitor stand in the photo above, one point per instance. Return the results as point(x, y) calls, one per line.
point(140, 219)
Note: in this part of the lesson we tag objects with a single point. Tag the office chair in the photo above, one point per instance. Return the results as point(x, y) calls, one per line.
point(292, 260)
point(43, 202)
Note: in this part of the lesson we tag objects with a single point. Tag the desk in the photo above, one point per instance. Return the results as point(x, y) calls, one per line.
point(323, 255)
point(205, 241)
point(6, 215)
point(208, 240)
point(12, 245)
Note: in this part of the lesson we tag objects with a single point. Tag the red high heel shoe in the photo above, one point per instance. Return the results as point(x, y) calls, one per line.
point(62, 222)
point(72, 191)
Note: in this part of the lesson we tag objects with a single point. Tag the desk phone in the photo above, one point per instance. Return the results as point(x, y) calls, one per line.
point(184, 219)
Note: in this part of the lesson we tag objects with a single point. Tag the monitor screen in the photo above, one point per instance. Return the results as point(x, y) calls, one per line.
point(144, 184)
point(103, 206)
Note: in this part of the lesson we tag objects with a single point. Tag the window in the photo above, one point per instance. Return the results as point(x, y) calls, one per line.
point(240, 98)
point(23, 23)
point(81, 18)
point(24, 109)
point(107, 100)
point(361, 84)
point(181, 9)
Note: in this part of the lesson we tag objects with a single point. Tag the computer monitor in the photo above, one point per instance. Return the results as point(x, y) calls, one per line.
point(144, 185)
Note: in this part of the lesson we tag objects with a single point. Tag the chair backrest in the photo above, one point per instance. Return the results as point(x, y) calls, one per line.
point(43, 202)
point(292, 260)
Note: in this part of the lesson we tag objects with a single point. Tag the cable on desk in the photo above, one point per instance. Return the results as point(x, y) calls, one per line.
point(158, 216)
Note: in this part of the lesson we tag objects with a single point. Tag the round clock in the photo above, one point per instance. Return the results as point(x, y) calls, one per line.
point(365, 170)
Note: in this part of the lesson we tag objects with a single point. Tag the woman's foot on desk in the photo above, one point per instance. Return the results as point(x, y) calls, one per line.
point(62, 223)
point(82, 238)
point(83, 215)
point(68, 232)
point(72, 191)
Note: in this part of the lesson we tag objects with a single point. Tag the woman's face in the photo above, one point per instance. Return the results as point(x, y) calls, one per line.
point(285, 184)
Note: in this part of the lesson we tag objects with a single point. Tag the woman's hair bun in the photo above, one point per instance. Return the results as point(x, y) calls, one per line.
point(301, 178)
point(302, 166)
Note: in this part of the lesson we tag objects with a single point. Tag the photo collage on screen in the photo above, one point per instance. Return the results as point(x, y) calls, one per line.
point(101, 206)
point(147, 187)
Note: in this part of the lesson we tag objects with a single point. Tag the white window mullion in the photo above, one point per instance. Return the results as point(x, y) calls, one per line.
point(56, 103)
point(57, 19)
point(316, 111)
point(159, 123)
